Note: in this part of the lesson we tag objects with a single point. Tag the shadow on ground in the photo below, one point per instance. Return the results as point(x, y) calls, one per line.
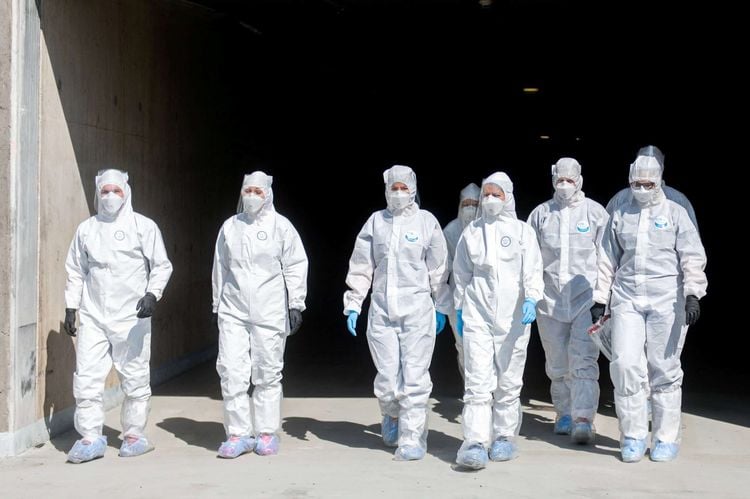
point(206, 434)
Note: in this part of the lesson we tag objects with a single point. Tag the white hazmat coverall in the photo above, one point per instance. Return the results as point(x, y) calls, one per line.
point(115, 258)
point(401, 253)
point(569, 228)
point(259, 273)
point(650, 260)
point(497, 266)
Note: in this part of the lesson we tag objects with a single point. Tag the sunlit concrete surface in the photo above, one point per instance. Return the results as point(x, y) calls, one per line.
point(331, 448)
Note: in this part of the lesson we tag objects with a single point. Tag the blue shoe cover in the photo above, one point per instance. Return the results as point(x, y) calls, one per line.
point(472, 455)
point(503, 449)
point(87, 451)
point(267, 444)
point(632, 449)
point(389, 430)
point(663, 451)
point(409, 453)
point(235, 446)
point(135, 447)
point(582, 433)
point(563, 425)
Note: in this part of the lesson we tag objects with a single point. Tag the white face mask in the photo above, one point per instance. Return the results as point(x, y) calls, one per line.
point(398, 200)
point(252, 203)
point(565, 190)
point(110, 204)
point(643, 195)
point(467, 213)
point(492, 205)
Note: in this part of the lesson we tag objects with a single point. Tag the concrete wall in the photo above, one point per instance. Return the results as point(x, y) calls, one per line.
point(20, 207)
point(6, 28)
point(133, 85)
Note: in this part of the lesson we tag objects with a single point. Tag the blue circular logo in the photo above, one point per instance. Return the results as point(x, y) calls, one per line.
point(262, 235)
point(661, 222)
point(412, 237)
point(583, 227)
point(119, 235)
point(505, 242)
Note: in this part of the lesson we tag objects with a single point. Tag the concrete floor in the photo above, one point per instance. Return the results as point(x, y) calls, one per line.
point(331, 448)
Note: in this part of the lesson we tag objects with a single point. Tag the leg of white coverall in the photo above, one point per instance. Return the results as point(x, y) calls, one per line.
point(417, 342)
point(267, 359)
point(384, 348)
point(453, 319)
point(131, 353)
point(628, 369)
point(481, 381)
point(93, 363)
point(234, 368)
point(555, 337)
point(583, 355)
point(665, 337)
point(510, 360)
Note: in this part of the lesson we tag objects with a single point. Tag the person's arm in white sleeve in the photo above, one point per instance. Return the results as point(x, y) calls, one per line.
point(692, 257)
point(463, 271)
point(691, 214)
point(77, 267)
point(361, 267)
point(685, 203)
point(602, 218)
point(534, 221)
point(156, 254)
point(294, 266)
point(608, 260)
point(219, 271)
point(450, 240)
point(533, 279)
point(436, 258)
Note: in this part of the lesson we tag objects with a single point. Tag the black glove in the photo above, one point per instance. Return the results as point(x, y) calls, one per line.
point(70, 321)
point(295, 320)
point(215, 320)
point(146, 306)
point(692, 310)
point(597, 310)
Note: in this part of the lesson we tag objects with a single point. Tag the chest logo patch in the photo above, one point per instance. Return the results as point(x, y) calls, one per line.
point(583, 227)
point(661, 222)
point(505, 242)
point(411, 236)
point(119, 235)
point(262, 235)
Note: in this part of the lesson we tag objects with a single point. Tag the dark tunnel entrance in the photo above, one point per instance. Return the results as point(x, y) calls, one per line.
point(326, 95)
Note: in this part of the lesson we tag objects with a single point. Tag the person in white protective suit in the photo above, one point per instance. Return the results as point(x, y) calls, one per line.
point(467, 211)
point(117, 270)
point(651, 262)
point(402, 253)
point(498, 277)
point(569, 228)
point(259, 290)
point(625, 197)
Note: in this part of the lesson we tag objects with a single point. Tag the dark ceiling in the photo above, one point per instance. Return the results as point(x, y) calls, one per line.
point(598, 64)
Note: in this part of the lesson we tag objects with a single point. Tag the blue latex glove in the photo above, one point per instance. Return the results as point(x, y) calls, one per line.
point(351, 323)
point(439, 322)
point(460, 323)
point(529, 311)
